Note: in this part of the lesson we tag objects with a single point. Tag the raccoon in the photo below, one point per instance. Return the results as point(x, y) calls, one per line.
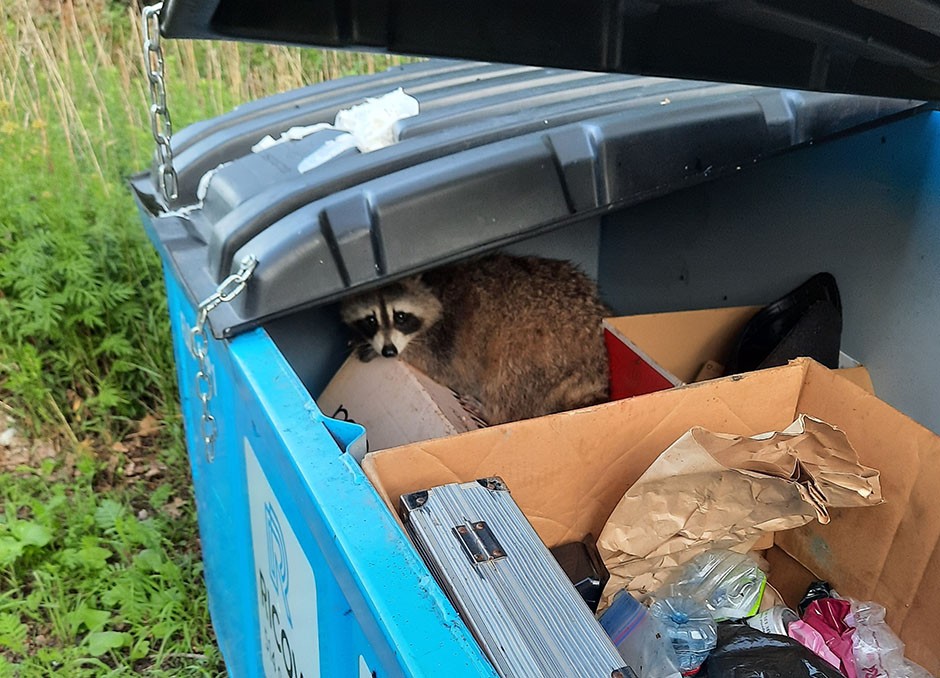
point(514, 337)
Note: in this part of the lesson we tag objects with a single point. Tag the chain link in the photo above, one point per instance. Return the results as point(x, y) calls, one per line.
point(227, 290)
point(160, 124)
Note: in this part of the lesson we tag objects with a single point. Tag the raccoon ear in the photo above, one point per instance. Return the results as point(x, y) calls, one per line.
point(415, 282)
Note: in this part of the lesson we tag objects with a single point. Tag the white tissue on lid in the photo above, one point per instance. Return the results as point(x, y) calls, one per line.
point(372, 123)
point(293, 134)
point(202, 190)
point(327, 151)
point(370, 126)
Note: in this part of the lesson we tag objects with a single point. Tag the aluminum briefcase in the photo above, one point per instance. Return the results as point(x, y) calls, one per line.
point(513, 595)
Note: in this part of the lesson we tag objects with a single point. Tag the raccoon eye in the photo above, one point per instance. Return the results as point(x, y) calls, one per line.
point(405, 322)
point(367, 327)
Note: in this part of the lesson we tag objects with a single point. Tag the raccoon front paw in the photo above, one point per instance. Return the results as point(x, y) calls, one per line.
point(473, 407)
point(365, 352)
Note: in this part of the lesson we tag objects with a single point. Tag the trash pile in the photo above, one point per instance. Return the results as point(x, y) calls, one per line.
point(685, 597)
point(676, 578)
point(689, 542)
point(705, 622)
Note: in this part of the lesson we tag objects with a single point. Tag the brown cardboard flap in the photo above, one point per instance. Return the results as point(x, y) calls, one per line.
point(568, 471)
point(858, 376)
point(765, 542)
point(789, 577)
point(396, 403)
point(682, 342)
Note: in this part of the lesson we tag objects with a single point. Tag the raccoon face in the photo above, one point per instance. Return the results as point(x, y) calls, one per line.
point(388, 319)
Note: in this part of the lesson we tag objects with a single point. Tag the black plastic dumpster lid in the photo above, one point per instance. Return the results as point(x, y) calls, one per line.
point(495, 154)
point(878, 47)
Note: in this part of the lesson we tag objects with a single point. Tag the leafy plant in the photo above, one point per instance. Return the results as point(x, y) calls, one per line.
point(84, 336)
point(91, 584)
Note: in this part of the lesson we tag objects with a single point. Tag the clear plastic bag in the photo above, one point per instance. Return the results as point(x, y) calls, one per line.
point(640, 638)
point(878, 651)
point(730, 584)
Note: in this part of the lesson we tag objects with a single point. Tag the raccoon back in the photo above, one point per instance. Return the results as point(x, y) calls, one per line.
point(522, 335)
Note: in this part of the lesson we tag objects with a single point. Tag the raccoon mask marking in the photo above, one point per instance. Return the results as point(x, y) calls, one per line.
point(387, 320)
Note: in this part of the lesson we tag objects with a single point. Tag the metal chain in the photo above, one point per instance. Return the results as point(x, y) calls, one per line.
point(227, 290)
point(160, 124)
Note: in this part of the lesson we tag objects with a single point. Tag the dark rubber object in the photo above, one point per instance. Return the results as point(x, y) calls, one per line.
point(807, 322)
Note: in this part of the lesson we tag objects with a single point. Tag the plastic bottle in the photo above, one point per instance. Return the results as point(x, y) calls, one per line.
point(776, 619)
point(690, 627)
point(730, 584)
point(640, 638)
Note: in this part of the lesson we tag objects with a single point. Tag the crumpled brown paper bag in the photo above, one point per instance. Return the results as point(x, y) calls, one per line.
point(710, 490)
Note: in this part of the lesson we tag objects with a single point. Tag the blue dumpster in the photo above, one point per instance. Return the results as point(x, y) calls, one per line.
point(673, 194)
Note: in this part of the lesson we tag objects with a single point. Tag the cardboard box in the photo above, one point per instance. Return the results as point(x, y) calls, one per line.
point(656, 351)
point(568, 471)
point(396, 403)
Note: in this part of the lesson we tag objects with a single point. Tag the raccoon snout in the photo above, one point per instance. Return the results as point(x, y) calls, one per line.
point(389, 351)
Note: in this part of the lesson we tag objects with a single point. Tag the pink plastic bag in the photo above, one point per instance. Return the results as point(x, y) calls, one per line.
point(827, 616)
point(811, 638)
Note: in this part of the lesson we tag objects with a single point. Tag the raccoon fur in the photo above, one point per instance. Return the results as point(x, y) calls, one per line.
point(514, 337)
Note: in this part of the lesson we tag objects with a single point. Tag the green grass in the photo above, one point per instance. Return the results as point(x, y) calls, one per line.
point(99, 584)
point(99, 564)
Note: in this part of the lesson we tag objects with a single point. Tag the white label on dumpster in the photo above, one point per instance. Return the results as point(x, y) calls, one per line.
point(287, 592)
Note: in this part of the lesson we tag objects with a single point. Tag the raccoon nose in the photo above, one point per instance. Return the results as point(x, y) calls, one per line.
point(389, 351)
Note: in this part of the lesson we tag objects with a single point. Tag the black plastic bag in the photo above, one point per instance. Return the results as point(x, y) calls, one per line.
point(743, 652)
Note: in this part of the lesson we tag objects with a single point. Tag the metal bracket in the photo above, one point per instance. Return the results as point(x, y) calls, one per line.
point(479, 542)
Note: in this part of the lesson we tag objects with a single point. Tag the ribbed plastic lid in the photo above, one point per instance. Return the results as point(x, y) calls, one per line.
point(494, 154)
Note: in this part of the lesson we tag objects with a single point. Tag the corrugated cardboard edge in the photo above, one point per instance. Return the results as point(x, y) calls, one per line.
point(492, 451)
point(423, 410)
point(858, 376)
point(678, 343)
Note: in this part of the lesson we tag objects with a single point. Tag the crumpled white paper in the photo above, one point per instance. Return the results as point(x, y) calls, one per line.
point(372, 123)
point(293, 134)
point(370, 126)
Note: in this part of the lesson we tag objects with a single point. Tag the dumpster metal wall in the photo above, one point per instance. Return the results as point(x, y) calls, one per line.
point(865, 207)
point(362, 608)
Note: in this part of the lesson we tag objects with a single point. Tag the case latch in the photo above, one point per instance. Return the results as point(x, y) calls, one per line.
point(479, 542)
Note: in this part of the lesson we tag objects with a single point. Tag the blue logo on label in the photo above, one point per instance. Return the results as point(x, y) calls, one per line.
point(277, 558)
